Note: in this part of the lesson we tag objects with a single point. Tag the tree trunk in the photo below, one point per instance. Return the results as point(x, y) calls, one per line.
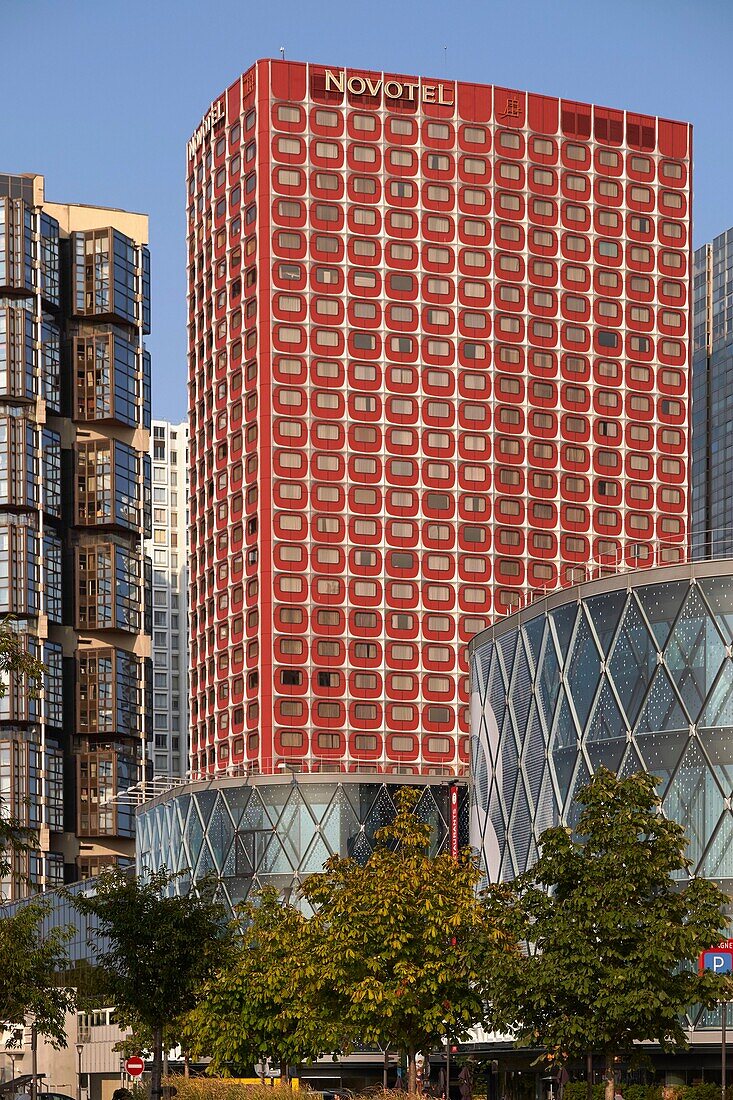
point(610, 1077)
point(186, 1064)
point(156, 1090)
point(411, 1071)
point(589, 1076)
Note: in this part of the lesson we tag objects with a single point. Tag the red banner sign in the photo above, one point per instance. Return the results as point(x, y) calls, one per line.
point(454, 822)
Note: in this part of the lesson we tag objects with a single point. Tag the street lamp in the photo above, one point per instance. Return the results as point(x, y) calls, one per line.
point(13, 1056)
point(79, 1052)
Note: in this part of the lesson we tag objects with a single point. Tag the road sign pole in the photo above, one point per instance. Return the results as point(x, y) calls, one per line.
point(723, 1051)
point(447, 1069)
point(34, 1061)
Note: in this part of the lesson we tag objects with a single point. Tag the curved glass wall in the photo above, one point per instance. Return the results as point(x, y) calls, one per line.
point(275, 831)
point(631, 673)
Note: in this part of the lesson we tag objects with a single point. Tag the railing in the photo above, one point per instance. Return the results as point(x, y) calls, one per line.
point(148, 789)
point(703, 546)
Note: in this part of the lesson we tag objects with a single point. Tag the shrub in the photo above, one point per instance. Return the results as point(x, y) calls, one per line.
point(577, 1090)
point(231, 1088)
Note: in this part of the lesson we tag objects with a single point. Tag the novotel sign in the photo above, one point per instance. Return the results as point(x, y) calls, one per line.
point(392, 89)
point(215, 114)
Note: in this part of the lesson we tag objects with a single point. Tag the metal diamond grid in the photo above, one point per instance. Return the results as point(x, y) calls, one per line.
point(252, 835)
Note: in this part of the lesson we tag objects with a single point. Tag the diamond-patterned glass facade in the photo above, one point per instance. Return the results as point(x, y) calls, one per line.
point(635, 672)
point(275, 830)
point(631, 673)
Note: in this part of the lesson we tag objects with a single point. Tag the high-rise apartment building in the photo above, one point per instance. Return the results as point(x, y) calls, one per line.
point(167, 551)
point(74, 506)
point(438, 339)
point(712, 398)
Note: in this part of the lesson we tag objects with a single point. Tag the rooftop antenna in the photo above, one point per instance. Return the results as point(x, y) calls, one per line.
point(445, 59)
point(282, 52)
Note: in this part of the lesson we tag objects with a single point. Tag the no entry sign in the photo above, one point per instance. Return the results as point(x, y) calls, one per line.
point(134, 1066)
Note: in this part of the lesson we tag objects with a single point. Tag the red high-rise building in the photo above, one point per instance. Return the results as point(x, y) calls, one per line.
point(438, 359)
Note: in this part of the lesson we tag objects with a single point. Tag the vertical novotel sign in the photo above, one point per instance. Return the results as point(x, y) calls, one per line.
point(393, 89)
point(215, 114)
point(453, 820)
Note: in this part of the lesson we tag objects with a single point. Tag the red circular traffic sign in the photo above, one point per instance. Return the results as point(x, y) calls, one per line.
point(134, 1066)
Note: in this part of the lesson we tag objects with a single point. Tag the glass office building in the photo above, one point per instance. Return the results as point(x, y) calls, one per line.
point(632, 672)
point(168, 550)
point(712, 398)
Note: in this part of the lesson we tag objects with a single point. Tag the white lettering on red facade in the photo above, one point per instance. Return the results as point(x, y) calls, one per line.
point(214, 115)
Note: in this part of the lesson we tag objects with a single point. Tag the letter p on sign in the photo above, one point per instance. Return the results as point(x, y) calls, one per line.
point(720, 962)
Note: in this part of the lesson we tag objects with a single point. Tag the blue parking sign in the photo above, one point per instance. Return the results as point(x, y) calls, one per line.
point(720, 962)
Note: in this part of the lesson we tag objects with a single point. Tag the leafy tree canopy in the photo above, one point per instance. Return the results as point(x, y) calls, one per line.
point(29, 961)
point(262, 1005)
point(402, 944)
point(616, 927)
point(395, 953)
point(155, 950)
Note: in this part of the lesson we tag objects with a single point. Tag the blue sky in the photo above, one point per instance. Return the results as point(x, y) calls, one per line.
point(101, 95)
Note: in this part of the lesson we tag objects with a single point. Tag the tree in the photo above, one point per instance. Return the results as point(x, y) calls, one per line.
point(616, 929)
point(263, 1005)
point(402, 945)
point(29, 964)
point(161, 949)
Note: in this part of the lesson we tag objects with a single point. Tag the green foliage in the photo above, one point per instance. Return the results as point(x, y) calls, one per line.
point(617, 928)
point(708, 1090)
point(578, 1090)
point(402, 948)
point(645, 1092)
point(138, 1038)
point(162, 948)
point(395, 953)
point(16, 661)
point(29, 960)
point(261, 1005)
point(226, 1088)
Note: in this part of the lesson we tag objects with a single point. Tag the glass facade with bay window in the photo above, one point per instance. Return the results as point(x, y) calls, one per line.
point(74, 513)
